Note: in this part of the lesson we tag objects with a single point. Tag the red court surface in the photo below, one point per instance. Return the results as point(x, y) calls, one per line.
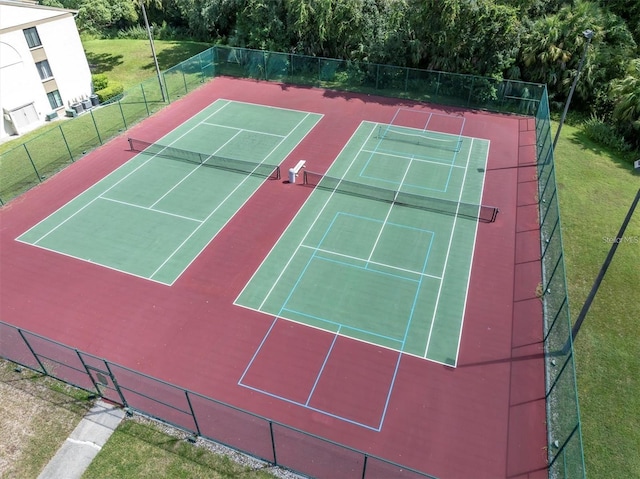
point(483, 419)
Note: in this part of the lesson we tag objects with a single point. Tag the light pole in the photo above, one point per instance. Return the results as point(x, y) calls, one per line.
point(588, 34)
point(153, 49)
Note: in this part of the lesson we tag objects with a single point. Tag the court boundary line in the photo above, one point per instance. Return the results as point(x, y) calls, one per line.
point(263, 105)
point(148, 208)
point(245, 129)
point(335, 253)
point(318, 375)
point(446, 260)
point(421, 159)
point(473, 250)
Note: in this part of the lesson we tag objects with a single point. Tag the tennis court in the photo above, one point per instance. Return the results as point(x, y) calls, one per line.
point(382, 250)
point(154, 215)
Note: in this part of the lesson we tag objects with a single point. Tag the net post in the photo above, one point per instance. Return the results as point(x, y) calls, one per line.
point(130, 143)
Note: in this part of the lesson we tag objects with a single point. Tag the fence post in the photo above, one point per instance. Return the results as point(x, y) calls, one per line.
point(96, 126)
point(65, 142)
point(473, 81)
point(164, 78)
point(115, 384)
point(124, 120)
point(184, 80)
point(144, 98)
point(44, 370)
point(193, 414)
point(364, 466)
point(273, 443)
point(32, 163)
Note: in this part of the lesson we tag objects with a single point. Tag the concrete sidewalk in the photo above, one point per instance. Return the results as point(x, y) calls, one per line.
point(84, 443)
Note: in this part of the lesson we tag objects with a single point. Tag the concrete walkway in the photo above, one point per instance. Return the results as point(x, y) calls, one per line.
point(84, 443)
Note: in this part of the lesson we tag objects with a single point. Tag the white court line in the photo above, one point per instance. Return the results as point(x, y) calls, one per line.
point(148, 208)
point(473, 250)
point(373, 249)
point(418, 160)
point(404, 270)
point(312, 224)
point(194, 170)
point(219, 205)
point(270, 106)
point(446, 259)
point(244, 129)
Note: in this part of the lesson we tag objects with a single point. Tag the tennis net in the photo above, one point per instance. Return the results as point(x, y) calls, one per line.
point(422, 139)
point(485, 214)
point(231, 164)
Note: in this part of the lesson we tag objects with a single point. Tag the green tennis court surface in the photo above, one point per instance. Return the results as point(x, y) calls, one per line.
point(379, 271)
point(155, 214)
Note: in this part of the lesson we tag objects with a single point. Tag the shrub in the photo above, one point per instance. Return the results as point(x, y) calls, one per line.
point(100, 81)
point(112, 90)
point(604, 134)
point(136, 32)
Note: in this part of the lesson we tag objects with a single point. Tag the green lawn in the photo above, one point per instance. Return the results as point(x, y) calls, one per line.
point(130, 62)
point(596, 188)
point(138, 448)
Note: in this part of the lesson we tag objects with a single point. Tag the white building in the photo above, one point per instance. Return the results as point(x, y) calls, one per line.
point(43, 67)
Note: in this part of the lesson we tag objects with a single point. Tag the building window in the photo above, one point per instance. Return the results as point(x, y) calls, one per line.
point(33, 39)
point(54, 99)
point(44, 69)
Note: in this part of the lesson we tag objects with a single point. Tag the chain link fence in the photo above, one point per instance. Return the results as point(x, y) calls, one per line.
point(260, 437)
point(31, 162)
point(565, 452)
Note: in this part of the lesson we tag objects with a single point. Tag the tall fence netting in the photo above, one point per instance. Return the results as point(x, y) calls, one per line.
point(28, 163)
point(565, 451)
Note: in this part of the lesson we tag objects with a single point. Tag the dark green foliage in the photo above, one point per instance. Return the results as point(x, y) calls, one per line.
point(112, 90)
point(538, 41)
point(100, 81)
point(604, 134)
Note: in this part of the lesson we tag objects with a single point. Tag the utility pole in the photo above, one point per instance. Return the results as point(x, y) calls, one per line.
point(588, 34)
point(153, 49)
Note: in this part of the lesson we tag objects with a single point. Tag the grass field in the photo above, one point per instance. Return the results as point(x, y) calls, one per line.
point(596, 188)
point(130, 61)
point(36, 416)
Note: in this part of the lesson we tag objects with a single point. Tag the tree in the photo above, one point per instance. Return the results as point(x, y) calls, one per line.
point(625, 93)
point(480, 37)
point(97, 15)
point(552, 49)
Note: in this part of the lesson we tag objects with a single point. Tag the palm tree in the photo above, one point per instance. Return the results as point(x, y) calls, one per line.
point(625, 93)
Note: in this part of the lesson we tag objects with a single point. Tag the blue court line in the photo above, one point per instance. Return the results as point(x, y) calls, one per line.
point(257, 350)
point(364, 268)
point(396, 183)
point(418, 156)
point(341, 325)
point(315, 409)
point(324, 363)
point(376, 220)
